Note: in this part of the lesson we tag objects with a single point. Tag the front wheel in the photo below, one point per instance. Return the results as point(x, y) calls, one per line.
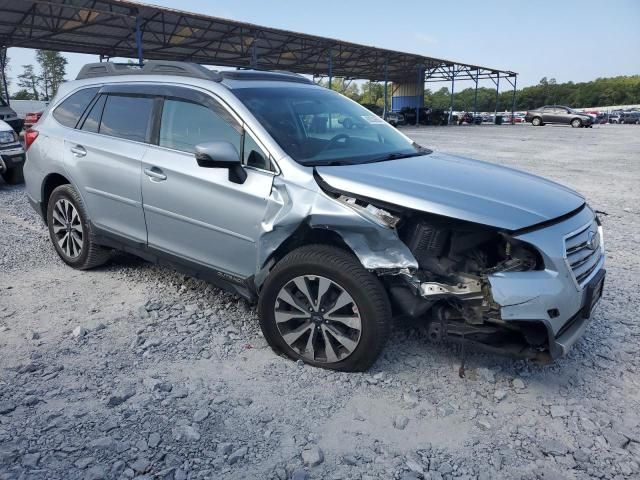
point(576, 123)
point(536, 122)
point(70, 232)
point(319, 305)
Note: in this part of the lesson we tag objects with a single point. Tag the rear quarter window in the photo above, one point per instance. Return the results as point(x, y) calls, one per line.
point(70, 110)
point(127, 117)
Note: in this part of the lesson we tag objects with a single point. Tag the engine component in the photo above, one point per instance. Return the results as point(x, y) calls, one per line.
point(426, 240)
point(469, 290)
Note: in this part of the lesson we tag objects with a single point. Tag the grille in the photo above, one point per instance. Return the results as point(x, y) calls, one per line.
point(583, 251)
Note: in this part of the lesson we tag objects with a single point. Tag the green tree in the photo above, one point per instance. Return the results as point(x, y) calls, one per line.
point(53, 68)
point(23, 94)
point(29, 81)
point(345, 87)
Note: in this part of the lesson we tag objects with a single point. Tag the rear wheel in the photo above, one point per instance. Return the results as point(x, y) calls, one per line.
point(536, 121)
point(70, 231)
point(576, 123)
point(13, 176)
point(319, 305)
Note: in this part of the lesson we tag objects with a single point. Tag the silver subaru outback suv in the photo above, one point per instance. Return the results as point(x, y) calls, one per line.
point(252, 181)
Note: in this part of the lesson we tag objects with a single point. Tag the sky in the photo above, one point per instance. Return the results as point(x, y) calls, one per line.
point(569, 40)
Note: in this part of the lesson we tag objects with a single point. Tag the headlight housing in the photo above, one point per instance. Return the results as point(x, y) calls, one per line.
point(8, 136)
point(370, 212)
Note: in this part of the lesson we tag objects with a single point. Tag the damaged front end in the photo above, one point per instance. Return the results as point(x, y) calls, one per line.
point(472, 283)
point(451, 289)
point(448, 285)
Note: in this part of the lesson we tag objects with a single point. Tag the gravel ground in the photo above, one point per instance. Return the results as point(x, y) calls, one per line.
point(133, 371)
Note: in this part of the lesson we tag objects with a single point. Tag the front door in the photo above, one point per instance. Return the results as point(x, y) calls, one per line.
point(197, 213)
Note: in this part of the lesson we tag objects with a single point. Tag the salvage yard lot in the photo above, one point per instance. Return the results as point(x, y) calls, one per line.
point(132, 370)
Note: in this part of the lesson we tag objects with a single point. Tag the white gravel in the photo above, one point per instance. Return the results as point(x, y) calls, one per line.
point(133, 371)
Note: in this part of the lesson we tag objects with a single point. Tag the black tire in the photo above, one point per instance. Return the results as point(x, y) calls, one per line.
point(13, 176)
point(536, 122)
point(91, 255)
point(343, 268)
point(576, 123)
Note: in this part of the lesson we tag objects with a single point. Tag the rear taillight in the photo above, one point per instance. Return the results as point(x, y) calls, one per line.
point(30, 137)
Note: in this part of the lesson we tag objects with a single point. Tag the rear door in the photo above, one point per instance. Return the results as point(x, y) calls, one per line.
point(105, 155)
point(197, 213)
point(548, 114)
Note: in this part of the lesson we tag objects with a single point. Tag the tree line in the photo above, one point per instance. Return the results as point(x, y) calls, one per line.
point(40, 81)
point(623, 90)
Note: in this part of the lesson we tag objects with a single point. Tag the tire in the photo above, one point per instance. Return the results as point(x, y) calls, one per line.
point(536, 121)
point(13, 176)
point(79, 250)
point(576, 123)
point(366, 305)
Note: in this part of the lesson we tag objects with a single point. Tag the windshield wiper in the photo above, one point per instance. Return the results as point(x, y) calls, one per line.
point(398, 156)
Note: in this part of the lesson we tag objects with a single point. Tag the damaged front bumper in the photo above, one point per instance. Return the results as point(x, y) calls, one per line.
point(553, 297)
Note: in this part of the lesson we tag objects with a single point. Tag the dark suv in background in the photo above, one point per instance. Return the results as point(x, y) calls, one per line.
point(558, 114)
point(630, 118)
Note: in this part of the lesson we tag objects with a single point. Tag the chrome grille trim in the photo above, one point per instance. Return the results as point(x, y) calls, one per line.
point(582, 260)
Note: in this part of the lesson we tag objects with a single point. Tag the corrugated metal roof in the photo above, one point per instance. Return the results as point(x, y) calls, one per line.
point(108, 28)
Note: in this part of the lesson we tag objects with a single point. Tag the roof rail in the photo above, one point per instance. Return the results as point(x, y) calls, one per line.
point(152, 67)
point(277, 75)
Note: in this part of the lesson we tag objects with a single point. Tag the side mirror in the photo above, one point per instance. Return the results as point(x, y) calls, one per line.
point(221, 155)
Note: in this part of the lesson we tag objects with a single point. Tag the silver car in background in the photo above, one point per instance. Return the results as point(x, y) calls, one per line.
point(251, 180)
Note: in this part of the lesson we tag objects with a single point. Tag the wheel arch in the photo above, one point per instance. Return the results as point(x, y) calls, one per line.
point(49, 184)
point(304, 235)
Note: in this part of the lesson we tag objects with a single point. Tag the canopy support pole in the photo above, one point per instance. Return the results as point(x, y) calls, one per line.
point(330, 67)
point(513, 101)
point(475, 98)
point(386, 96)
point(453, 84)
point(421, 93)
point(495, 112)
point(139, 40)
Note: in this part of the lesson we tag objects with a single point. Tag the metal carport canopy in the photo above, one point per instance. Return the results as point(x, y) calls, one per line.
point(111, 28)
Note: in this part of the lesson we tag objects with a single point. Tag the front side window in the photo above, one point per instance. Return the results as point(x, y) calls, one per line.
point(253, 155)
point(186, 124)
point(127, 116)
point(70, 110)
point(316, 126)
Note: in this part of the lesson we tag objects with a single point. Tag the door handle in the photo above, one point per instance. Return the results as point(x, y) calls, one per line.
point(78, 151)
point(155, 174)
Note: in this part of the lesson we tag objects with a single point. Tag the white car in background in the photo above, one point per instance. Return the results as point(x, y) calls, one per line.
point(12, 154)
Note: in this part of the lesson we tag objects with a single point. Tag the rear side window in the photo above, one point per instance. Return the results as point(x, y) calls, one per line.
point(70, 110)
point(126, 117)
point(92, 122)
point(184, 125)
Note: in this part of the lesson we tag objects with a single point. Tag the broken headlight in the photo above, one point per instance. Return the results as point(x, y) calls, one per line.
point(369, 211)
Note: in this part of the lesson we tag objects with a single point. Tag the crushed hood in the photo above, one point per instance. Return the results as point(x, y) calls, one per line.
point(456, 187)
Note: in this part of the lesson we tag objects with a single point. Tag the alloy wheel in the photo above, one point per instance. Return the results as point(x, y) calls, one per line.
point(67, 228)
point(318, 319)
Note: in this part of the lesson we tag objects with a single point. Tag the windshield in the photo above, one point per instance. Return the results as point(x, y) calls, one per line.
point(317, 126)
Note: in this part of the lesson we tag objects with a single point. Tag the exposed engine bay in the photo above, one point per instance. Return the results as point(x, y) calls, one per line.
point(450, 290)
